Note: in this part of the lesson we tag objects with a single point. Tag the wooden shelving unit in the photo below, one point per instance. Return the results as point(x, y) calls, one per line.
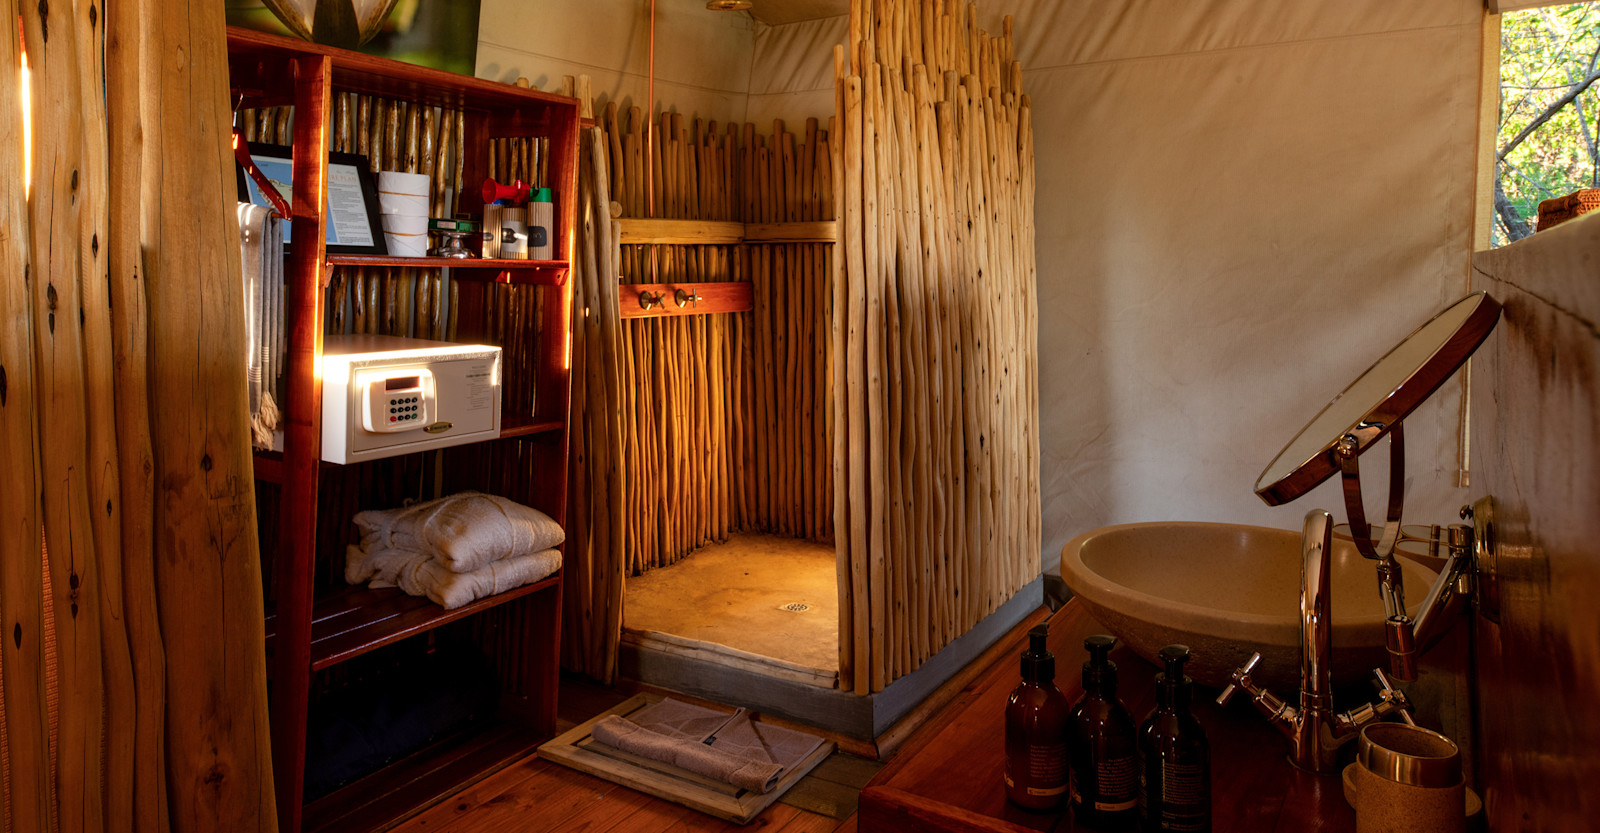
point(315, 623)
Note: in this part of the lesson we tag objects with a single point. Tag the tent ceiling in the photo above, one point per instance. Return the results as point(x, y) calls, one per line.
point(778, 12)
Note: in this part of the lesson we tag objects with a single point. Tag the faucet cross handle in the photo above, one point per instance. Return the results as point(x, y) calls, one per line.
point(1394, 697)
point(1239, 678)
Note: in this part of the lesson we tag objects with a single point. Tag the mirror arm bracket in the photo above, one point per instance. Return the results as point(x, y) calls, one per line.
point(1347, 450)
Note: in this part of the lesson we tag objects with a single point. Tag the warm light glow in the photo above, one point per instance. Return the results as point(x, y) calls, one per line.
point(27, 127)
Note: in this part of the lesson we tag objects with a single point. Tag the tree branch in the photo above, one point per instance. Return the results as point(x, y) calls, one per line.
point(1516, 227)
point(1572, 94)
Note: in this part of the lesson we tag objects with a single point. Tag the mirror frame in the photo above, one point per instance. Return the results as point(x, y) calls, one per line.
point(1405, 395)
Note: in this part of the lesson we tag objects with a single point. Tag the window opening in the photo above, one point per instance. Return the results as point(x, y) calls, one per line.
point(1547, 144)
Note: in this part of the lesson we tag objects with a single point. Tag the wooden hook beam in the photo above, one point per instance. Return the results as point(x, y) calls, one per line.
point(657, 300)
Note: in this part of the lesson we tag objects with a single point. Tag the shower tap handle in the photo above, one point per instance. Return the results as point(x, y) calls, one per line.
point(691, 298)
point(648, 299)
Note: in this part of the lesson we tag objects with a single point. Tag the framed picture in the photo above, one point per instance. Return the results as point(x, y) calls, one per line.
point(442, 34)
point(351, 212)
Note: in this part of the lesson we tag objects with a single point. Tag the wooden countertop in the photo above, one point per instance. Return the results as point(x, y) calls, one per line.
point(948, 777)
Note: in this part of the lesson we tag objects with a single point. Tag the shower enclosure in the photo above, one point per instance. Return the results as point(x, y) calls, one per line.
point(816, 490)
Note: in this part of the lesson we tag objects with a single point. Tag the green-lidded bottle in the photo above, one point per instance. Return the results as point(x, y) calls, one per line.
point(1174, 756)
point(1101, 745)
point(1036, 731)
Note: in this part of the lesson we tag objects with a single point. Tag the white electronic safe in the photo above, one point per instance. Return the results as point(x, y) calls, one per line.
point(386, 395)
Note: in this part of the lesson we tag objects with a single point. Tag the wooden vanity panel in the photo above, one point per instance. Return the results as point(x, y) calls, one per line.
point(1536, 450)
point(948, 778)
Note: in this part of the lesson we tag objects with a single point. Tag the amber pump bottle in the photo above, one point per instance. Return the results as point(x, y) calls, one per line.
point(1102, 747)
point(1036, 731)
point(1174, 756)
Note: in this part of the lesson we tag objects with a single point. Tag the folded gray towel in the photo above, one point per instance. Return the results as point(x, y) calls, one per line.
point(692, 755)
point(730, 748)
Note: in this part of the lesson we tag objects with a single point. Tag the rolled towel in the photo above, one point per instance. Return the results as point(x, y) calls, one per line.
point(742, 772)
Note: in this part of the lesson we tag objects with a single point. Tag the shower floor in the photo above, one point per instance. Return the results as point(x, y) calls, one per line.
point(732, 603)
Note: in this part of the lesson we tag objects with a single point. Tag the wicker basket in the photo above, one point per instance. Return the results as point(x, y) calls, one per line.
point(1561, 209)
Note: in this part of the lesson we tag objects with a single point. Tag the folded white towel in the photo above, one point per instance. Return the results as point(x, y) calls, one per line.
point(455, 549)
point(422, 575)
point(469, 530)
point(427, 577)
point(463, 531)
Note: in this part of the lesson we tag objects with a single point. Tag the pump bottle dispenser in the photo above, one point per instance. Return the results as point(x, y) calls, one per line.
point(1036, 731)
point(1101, 745)
point(1174, 756)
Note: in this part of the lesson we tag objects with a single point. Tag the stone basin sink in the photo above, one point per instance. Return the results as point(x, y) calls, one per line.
point(1226, 591)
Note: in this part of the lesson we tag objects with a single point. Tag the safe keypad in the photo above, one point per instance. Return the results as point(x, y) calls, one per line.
point(405, 409)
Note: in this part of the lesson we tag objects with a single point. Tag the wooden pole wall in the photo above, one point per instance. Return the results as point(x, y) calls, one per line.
point(937, 517)
point(134, 682)
point(726, 416)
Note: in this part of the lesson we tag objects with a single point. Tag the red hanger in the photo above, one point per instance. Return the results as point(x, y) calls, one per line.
point(241, 152)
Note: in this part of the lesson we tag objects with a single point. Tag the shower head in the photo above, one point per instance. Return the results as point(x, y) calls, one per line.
point(728, 5)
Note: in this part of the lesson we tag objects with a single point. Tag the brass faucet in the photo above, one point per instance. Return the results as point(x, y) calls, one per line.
point(1314, 729)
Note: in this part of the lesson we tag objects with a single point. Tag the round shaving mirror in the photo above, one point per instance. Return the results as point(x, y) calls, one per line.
point(1374, 404)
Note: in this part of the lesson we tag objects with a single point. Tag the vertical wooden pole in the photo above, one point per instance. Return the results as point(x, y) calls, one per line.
point(840, 345)
point(212, 615)
point(22, 660)
point(65, 180)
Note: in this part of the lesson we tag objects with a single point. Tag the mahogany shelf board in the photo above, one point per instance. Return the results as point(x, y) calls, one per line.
point(578, 750)
point(508, 431)
point(368, 74)
point(359, 619)
point(269, 464)
point(948, 777)
point(446, 262)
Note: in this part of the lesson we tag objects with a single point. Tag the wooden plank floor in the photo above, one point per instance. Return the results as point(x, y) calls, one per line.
point(535, 795)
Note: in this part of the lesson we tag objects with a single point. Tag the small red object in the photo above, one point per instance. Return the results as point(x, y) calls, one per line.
point(494, 192)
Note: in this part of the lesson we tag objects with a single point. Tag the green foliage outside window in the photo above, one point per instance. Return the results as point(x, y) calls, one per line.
point(1548, 143)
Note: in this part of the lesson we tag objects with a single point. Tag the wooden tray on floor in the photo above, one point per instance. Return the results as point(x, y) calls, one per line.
point(578, 750)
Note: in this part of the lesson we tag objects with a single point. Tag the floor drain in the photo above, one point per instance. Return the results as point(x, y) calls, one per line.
point(795, 606)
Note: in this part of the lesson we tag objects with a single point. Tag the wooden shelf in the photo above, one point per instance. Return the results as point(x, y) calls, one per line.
point(253, 54)
point(359, 619)
point(422, 779)
point(310, 633)
point(507, 432)
point(269, 464)
point(545, 272)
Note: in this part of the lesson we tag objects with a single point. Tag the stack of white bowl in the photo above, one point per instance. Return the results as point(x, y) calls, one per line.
point(403, 201)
